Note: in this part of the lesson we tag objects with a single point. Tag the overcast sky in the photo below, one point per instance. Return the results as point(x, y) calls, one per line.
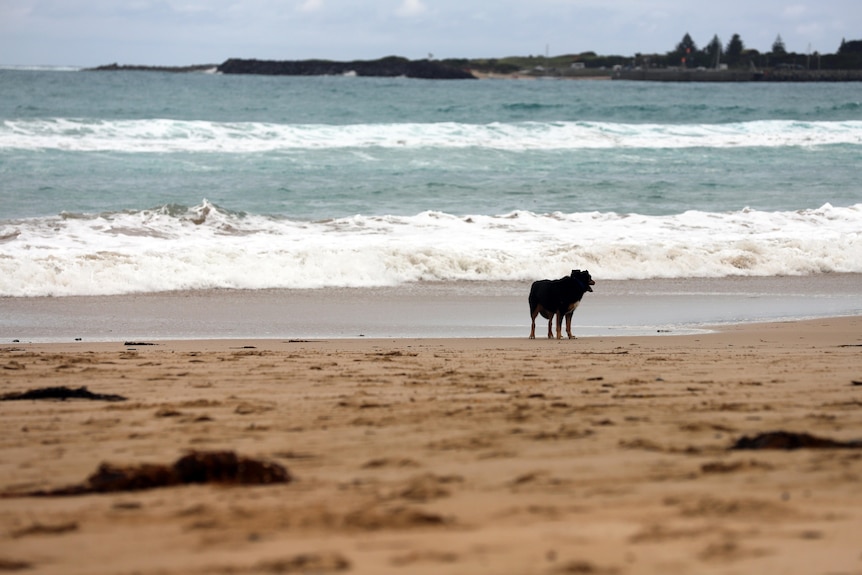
point(178, 32)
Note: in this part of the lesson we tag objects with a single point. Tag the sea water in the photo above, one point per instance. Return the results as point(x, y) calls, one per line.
point(117, 183)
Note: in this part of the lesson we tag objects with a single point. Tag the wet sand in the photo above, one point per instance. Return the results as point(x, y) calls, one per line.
point(465, 455)
point(426, 310)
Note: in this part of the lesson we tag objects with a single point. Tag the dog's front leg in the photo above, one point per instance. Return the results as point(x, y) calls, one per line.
point(569, 325)
point(559, 326)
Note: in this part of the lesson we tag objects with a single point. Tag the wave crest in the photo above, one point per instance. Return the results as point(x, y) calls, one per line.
point(162, 135)
point(205, 246)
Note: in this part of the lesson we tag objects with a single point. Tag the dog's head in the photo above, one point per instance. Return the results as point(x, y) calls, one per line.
point(584, 278)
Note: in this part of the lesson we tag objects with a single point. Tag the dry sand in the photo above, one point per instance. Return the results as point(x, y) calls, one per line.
point(504, 456)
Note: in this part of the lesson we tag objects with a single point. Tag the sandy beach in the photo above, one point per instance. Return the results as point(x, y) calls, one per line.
point(500, 455)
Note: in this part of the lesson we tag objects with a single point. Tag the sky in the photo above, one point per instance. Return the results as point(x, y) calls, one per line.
point(185, 32)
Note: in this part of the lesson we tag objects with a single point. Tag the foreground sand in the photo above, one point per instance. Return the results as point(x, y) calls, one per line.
point(599, 455)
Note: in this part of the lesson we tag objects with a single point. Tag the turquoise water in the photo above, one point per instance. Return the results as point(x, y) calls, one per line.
point(401, 146)
point(128, 182)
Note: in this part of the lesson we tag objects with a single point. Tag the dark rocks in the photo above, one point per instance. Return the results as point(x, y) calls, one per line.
point(788, 440)
point(62, 393)
point(221, 467)
point(390, 67)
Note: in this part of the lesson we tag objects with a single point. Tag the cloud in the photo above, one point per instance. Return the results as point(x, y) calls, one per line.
point(310, 6)
point(179, 32)
point(411, 8)
point(794, 11)
point(809, 29)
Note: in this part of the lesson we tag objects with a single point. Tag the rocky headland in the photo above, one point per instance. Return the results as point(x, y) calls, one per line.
point(396, 66)
point(389, 67)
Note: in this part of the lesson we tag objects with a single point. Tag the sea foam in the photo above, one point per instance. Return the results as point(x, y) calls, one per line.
point(203, 247)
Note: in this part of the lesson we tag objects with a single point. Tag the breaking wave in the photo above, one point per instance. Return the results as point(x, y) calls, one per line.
point(204, 246)
point(163, 135)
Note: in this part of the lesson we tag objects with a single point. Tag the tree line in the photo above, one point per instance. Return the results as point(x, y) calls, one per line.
point(735, 54)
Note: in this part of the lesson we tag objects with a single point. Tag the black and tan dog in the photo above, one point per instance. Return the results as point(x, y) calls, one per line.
point(558, 297)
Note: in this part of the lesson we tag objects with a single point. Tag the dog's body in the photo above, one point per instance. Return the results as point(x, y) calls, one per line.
point(558, 297)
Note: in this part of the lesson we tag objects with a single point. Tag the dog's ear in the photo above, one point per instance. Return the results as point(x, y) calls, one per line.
point(588, 279)
point(575, 272)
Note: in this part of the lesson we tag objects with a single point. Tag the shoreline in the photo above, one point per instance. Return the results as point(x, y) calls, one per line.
point(426, 310)
point(361, 341)
point(504, 456)
point(830, 327)
point(426, 69)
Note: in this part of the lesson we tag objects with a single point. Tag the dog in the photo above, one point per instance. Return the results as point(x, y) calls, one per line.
point(558, 297)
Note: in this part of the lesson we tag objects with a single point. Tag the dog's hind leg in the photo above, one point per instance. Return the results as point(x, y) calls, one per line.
point(569, 325)
point(559, 326)
point(533, 313)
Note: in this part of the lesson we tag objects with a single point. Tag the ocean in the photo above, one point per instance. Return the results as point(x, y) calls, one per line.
point(141, 186)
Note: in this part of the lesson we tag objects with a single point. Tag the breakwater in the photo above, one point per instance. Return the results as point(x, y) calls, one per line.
point(673, 75)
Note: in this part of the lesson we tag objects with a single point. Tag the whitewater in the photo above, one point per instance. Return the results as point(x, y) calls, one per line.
point(139, 182)
point(171, 136)
point(205, 247)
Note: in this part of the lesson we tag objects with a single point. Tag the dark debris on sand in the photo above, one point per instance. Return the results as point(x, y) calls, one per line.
point(62, 393)
point(788, 440)
point(220, 467)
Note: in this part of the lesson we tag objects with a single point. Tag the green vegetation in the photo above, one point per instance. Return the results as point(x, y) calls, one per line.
point(585, 64)
point(686, 54)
